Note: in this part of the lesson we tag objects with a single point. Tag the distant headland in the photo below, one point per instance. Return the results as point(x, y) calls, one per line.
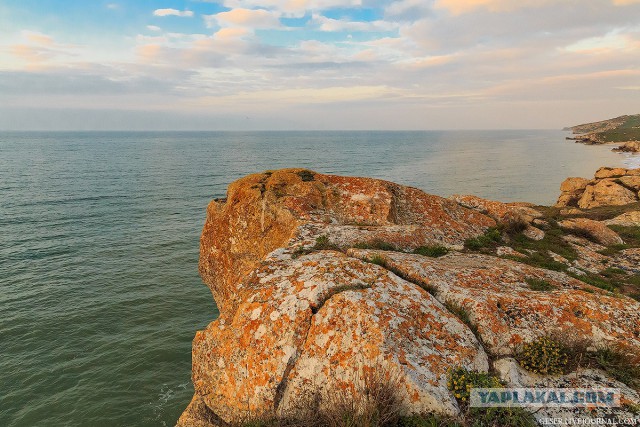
point(624, 130)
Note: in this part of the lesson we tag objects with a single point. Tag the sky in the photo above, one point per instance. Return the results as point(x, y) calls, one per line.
point(316, 64)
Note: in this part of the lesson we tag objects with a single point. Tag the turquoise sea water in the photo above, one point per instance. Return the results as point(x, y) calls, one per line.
point(99, 291)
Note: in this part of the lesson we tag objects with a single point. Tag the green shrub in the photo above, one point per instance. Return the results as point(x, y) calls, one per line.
point(432, 251)
point(539, 284)
point(461, 381)
point(543, 356)
point(491, 238)
point(612, 271)
point(631, 235)
point(597, 281)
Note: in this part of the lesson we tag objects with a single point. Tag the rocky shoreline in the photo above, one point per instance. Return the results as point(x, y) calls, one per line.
point(329, 287)
point(623, 131)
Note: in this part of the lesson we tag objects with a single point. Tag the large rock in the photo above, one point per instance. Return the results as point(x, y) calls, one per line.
point(606, 172)
point(606, 192)
point(610, 187)
point(507, 312)
point(280, 307)
point(303, 314)
point(263, 212)
point(595, 229)
point(629, 146)
point(305, 323)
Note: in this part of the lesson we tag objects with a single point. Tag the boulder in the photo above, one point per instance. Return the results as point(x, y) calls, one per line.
point(627, 219)
point(611, 186)
point(572, 185)
point(606, 172)
point(571, 191)
point(298, 319)
point(606, 192)
point(629, 147)
point(595, 229)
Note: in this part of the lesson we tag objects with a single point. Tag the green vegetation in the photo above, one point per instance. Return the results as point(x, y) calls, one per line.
point(619, 129)
point(631, 235)
point(552, 355)
point(428, 420)
point(596, 280)
point(539, 284)
point(491, 238)
point(378, 260)
point(628, 131)
point(432, 251)
point(544, 356)
point(461, 381)
point(306, 176)
point(619, 365)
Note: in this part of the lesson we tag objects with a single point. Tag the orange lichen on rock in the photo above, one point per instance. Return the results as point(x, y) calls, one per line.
point(304, 315)
point(504, 308)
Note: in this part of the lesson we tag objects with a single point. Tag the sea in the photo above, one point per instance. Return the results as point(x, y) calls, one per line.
point(99, 231)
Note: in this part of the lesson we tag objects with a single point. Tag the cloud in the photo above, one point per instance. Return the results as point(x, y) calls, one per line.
point(246, 18)
point(464, 6)
point(339, 25)
point(173, 12)
point(38, 38)
point(293, 8)
point(153, 28)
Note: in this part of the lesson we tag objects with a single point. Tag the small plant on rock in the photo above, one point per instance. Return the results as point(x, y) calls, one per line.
point(461, 381)
point(432, 251)
point(543, 356)
point(541, 285)
point(491, 238)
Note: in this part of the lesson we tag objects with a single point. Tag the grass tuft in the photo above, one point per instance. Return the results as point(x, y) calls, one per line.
point(491, 238)
point(541, 285)
point(432, 251)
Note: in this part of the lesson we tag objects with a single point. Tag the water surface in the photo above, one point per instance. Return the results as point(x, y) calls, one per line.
point(99, 291)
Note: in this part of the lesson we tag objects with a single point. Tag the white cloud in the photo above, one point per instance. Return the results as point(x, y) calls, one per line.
point(244, 18)
point(153, 28)
point(296, 8)
point(334, 25)
point(173, 12)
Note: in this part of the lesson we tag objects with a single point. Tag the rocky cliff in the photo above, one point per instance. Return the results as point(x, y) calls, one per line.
point(327, 283)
